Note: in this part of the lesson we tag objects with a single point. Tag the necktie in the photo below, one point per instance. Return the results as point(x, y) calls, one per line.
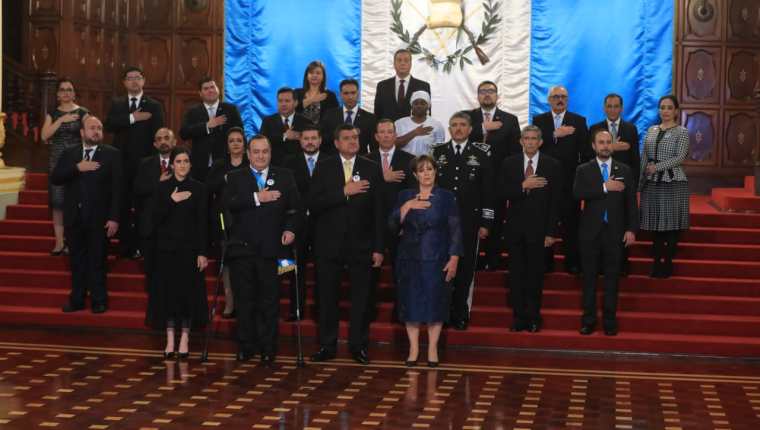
point(164, 166)
point(400, 96)
point(386, 161)
point(529, 170)
point(310, 164)
point(605, 177)
point(349, 120)
point(458, 150)
point(133, 104)
point(87, 154)
point(613, 131)
point(347, 170)
point(211, 112)
point(259, 179)
point(557, 121)
point(486, 118)
point(286, 124)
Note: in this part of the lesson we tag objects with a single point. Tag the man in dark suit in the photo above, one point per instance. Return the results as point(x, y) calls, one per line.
point(529, 182)
point(91, 174)
point(465, 168)
point(266, 210)
point(608, 223)
point(283, 129)
point(206, 125)
point(133, 120)
point(352, 114)
point(501, 131)
point(302, 165)
point(392, 94)
point(625, 147)
point(346, 202)
point(566, 139)
point(397, 174)
point(153, 170)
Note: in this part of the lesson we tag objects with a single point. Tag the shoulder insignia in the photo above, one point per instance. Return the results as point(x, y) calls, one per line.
point(483, 147)
point(439, 145)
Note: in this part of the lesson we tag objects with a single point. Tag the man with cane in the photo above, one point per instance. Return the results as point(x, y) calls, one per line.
point(265, 209)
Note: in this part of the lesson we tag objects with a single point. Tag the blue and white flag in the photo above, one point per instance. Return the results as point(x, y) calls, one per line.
point(526, 46)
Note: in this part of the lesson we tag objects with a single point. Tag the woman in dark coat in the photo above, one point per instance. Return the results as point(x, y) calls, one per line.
point(215, 181)
point(428, 253)
point(177, 295)
point(313, 98)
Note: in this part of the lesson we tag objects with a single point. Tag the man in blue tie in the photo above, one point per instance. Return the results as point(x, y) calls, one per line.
point(608, 223)
point(302, 165)
point(265, 210)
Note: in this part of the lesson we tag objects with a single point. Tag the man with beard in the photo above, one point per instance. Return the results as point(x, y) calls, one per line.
point(501, 131)
point(302, 165)
point(565, 138)
point(91, 176)
point(206, 125)
point(153, 170)
point(608, 223)
point(465, 168)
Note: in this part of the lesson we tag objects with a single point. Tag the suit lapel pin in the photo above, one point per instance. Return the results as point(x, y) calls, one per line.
point(270, 182)
point(356, 178)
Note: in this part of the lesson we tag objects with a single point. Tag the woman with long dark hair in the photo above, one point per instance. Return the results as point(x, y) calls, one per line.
point(313, 98)
point(177, 296)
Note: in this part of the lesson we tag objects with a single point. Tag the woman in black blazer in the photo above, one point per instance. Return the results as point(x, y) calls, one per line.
point(177, 295)
point(313, 98)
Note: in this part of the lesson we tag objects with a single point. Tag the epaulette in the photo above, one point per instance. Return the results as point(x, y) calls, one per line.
point(483, 147)
point(439, 145)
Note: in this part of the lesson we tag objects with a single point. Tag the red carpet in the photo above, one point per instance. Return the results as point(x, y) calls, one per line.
point(737, 199)
point(710, 306)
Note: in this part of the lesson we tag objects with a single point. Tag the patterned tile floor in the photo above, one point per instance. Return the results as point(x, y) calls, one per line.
point(68, 380)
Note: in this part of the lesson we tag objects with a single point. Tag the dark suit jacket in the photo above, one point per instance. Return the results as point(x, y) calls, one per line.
point(297, 165)
point(260, 227)
point(531, 215)
point(213, 141)
point(273, 128)
point(386, 105)
point(346, 227)
point(94, 195)
point(622, 214)
point(364, 121)
point(628, 133)
point(330, 102)
point(134, 140)
point(569, 150)
point(400, 161)
point(145, 186)
point(504, 142)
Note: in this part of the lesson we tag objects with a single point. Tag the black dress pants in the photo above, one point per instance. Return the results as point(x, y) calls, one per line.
point(87, 246)
point(526, 280)
point(256, 289)
point(608, 249)
point(329, 275)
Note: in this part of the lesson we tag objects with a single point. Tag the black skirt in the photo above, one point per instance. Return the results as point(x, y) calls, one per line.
point(177, 291)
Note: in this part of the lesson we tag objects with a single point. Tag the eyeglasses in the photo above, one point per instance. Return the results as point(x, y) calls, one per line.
point(487, 91)
point(134, 78)
point(558, 97)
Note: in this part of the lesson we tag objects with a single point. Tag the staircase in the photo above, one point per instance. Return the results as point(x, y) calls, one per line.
point(710, 306)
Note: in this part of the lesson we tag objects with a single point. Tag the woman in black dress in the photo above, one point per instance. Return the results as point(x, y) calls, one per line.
point(215, 181)
point(61, 131)
point(428, 254)
point(313, 98)
point(177, 296)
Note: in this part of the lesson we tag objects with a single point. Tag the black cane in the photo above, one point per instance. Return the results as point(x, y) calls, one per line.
point(299, 346)
point(211, 329)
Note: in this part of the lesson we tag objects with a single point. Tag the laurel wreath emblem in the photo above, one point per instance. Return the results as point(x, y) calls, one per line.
point(459, 57)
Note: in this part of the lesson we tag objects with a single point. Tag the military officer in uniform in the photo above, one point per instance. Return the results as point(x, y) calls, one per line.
point(465, 168)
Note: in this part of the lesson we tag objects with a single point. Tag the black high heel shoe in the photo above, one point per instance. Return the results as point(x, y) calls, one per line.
point(410, 363)
point(432, 364)
point(168, 355)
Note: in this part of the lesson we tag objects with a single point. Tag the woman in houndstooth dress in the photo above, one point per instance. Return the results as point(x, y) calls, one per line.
point(664, 186)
